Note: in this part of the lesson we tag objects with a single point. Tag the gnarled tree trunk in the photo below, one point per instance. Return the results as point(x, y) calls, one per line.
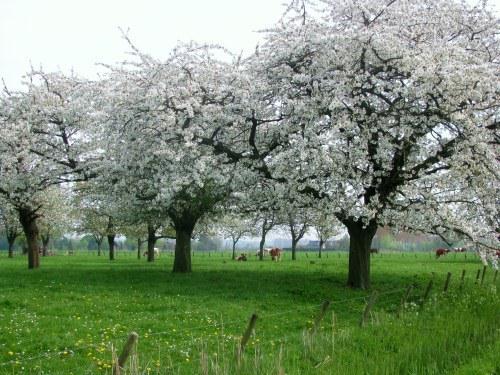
point(183, 233)
point(234, 250)
point(151, 243)
point(111, 244)
point(27, 218)
point(294, 249)
point(11, 239)
point(45, 243)
point(360, 240)
point(99, 244)
point(139, 248)
point(111, 238)
point(261, 246)
point(321, 246)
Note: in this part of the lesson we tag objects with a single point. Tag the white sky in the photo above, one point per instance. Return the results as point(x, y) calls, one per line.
point(65, 34)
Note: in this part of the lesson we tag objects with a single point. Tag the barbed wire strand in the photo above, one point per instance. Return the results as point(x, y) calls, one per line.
point(222, 324)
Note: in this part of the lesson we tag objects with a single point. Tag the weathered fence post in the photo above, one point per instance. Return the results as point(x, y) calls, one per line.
point(248, 333)
point(484, 273)
point(127, 349)
point(462, 279)
point(477, 276)
point(320, 316)
point(368, 307)
point(427, 292)
point(447, 282)
point(404, 299)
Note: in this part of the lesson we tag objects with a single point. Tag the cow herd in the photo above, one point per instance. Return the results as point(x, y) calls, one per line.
point(273, 252)
point(276, 252)
point(442, 251)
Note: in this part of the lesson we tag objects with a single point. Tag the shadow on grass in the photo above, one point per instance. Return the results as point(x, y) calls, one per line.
point(284, 283)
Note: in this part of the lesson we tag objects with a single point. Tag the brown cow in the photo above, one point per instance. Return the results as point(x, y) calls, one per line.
point(275, 253)
point(373, 251)
point(242, 258)
point(441, 252)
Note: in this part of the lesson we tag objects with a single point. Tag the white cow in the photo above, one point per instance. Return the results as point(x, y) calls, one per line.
point(265, 251)
point(156, 251)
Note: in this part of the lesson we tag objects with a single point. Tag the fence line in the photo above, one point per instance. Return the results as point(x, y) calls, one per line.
point(48, 354)
point(221, 324)
point(178, 333)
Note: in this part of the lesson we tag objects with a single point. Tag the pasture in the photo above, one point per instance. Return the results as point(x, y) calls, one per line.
point(65, 317)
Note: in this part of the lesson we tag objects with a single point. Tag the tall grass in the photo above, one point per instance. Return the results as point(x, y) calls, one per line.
point(453, 332)
point(65, 317)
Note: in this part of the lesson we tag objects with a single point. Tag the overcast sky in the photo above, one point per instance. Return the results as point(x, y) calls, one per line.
point(65, 34)
point(76, 34)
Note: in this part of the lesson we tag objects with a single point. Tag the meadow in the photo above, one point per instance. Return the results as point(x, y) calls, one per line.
point(69, 316)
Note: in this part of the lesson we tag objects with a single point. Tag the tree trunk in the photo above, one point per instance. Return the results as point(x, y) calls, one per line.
point(11, 239)
point(321, 246)
point(45, 244)
point(111, 244)
point(99, 243)
point(139, 248)
point(151, 243)
point(261, 246)
point(294, 249)
point(11, 249)
point(360, 240)
point(27, 217)
point(110, 234)
point(182, 260)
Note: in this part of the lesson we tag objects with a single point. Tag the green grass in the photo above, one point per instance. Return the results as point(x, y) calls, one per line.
point(64, 317)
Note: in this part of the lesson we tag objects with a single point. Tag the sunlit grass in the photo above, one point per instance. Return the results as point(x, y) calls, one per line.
point(66, 316)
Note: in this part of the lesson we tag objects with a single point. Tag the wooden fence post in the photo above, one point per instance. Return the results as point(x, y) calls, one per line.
point(462, 279)
point(477, 276)
point(127, 349)
point(248, 333)
point(320, 316)
point(484, 273)
point(447, 282)
point(404, 299)
point(427, 292)
point(368, 307)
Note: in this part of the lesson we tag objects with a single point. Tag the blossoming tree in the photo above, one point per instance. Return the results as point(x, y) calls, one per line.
point(154, 110)
point(42, 143)
point(387, 110)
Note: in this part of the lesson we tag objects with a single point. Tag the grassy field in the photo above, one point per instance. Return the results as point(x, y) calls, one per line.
point(65, 317)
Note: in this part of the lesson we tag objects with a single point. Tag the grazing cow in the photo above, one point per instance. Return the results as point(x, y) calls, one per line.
point(242, 258)
point(373, 251)
point(156, 252)
point(459, 249)
point(275, 253)
point(440, 252)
